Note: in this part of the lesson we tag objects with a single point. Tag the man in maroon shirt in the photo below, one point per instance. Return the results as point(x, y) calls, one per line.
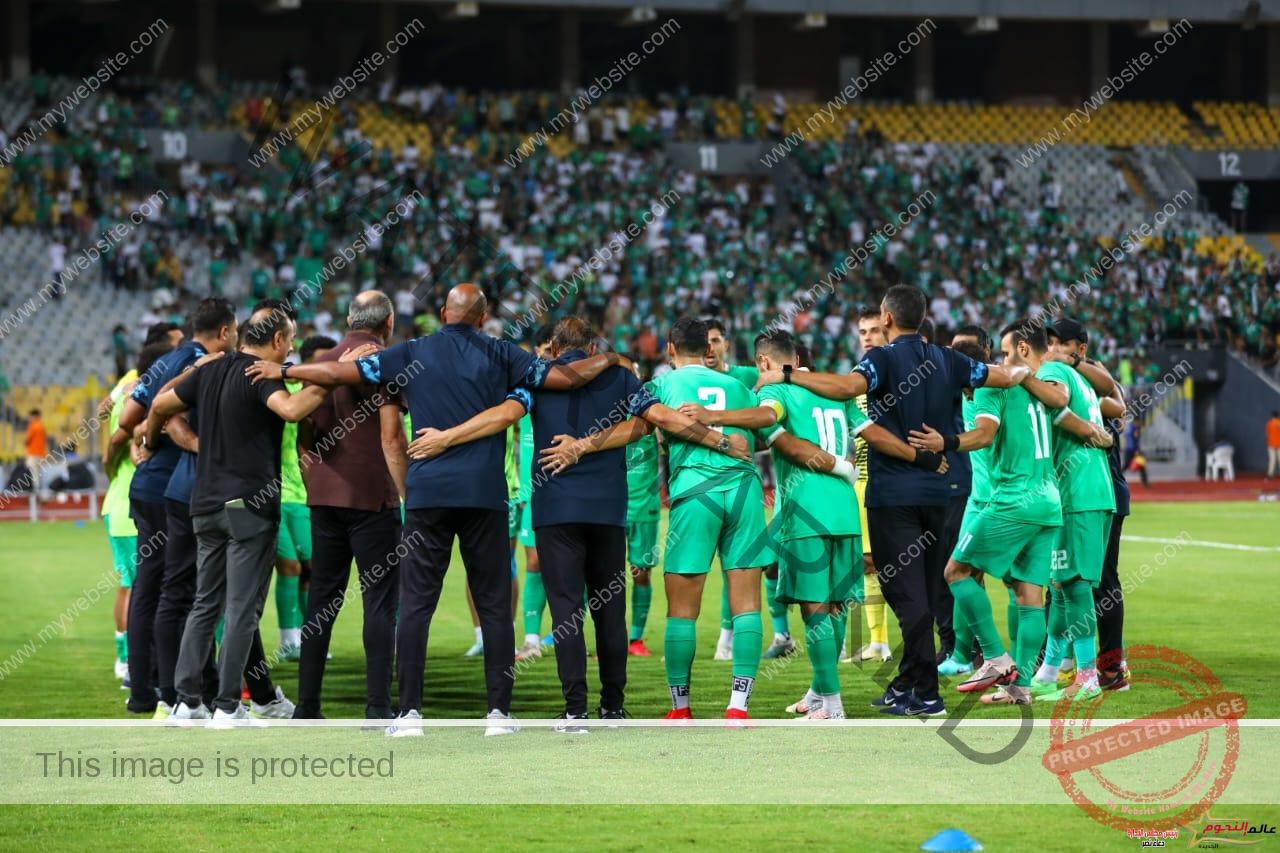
point(353, 460)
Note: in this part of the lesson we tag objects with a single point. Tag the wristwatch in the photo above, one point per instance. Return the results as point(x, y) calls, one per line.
point(284, 372)
point(786, 373)
point(723, 444)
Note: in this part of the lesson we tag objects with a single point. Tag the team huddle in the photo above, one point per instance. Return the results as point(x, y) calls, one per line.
point(231, 463)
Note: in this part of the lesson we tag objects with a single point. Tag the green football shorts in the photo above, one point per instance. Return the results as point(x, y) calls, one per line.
point(1081, 546)
point(819, 569)
point(294, 541)
point(729, 523)
point(526, 525)
point(124, 554)
point(1007, 550)
point(642, 544)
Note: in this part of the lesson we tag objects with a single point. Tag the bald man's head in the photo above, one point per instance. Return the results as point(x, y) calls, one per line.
point(466, 304)
point(370, 310)
point(269, 331)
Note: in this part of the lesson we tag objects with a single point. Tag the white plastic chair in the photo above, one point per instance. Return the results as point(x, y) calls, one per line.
point(1220, 460)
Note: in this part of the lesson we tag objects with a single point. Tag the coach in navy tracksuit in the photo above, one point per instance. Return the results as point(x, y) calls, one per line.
point(580, 517)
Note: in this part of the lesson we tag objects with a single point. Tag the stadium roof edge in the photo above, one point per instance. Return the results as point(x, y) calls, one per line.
point(1208, 11)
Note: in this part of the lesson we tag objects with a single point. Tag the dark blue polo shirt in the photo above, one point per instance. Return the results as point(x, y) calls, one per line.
point(151, 480)
point(445, 379)
point(912, 383)
point(595, 490)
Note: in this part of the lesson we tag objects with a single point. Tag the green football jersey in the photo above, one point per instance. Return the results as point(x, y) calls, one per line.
point(1084, 474)
point(526, 458)
point(1023, 485)
point(748, 376)
point(814, 503)
point(980, 492)
point(292, 489)
point(695, 468)
point(509, 465)
point(643, 501)
point(115, 504)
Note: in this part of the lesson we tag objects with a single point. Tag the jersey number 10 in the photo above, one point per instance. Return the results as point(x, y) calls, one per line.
point(832, 430)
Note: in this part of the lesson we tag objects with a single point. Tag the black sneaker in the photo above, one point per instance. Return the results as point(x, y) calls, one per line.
point(913, 706)
point(377, 712)
point(135, 707)
point(892, 696)
point(613, 714)
point(570, 726)
point(301, 712)
point(1116, 680)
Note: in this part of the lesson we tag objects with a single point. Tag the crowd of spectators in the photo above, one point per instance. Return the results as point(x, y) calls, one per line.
point(599, 222)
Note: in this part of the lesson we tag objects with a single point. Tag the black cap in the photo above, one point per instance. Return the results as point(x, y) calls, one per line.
point(1066, 329)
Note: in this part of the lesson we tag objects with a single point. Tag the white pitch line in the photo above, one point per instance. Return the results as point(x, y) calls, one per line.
point(1201, 543)
point(798, 723)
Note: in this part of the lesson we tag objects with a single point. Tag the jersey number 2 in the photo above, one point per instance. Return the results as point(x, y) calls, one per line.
point(712, 398)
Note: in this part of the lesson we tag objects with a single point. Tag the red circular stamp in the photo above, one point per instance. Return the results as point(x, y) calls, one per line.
point(1179, 758)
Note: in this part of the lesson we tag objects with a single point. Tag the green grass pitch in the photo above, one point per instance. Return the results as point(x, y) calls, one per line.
point(1205, 600)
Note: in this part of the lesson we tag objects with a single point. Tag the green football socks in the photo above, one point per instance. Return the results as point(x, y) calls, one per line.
point(1011, 615)
point(641, 598)
point(1084, 625)
point(287, 613)
point(748, 633)
point(972, 603)
point(777, 611)
point(535, 601)
point(824, 651)
point(680, 642)
point(1031, 630)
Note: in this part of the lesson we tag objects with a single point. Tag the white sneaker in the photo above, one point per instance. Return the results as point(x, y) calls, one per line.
point(476, 650)
point(503, 724)
point(408, 724)
point(184, 714)
point(845, 657)
point(724, 652)
point(279, 709)
point(806, 704)
point(820, 714)
point(122, 669)
point(531, 649)
point(237, 719)
point(875, 651)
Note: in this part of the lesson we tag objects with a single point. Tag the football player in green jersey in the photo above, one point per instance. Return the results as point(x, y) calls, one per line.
point(717, 359)
point(1088, 504)
point(820, 559)
point(293, 544)
point(121, 531)
point(644, 508)
point(535, 593)
point(1069, 343)
point(717, 508)
point(1013, 538)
